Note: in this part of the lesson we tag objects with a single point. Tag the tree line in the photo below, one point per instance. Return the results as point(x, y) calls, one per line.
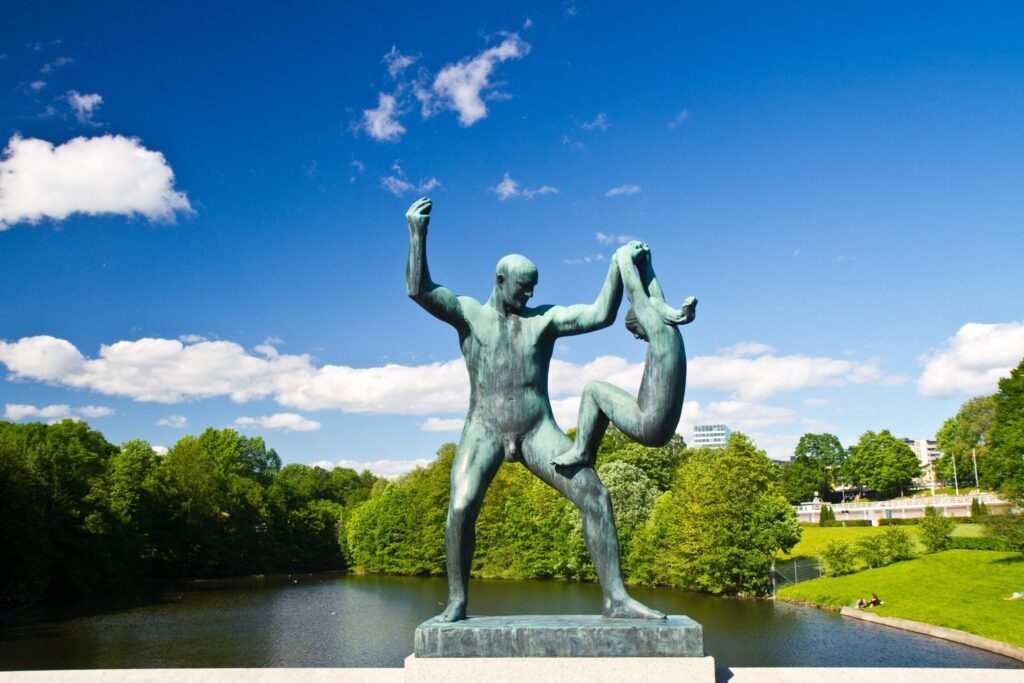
point(982, 445)
point(80, 514)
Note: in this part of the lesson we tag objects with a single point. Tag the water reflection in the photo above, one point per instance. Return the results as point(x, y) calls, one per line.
point(365, 621)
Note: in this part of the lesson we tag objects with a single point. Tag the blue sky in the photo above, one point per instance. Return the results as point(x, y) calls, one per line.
point(201, 209)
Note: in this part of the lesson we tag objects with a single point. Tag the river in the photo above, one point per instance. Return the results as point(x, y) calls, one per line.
point(339, 620)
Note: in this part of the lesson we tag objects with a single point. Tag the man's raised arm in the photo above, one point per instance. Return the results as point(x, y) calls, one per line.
point(581, 318)
point(437, 300)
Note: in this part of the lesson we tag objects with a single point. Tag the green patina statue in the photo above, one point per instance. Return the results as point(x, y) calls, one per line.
point(507, 347)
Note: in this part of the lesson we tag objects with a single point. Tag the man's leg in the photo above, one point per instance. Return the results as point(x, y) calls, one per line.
point(584, 488)
point(476, 462)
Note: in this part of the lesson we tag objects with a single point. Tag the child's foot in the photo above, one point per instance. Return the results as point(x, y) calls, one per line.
point(571, 458)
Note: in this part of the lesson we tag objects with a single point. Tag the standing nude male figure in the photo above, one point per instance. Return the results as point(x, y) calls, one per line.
point(507, 347)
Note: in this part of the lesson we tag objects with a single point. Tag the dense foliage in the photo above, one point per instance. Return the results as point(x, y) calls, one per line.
point(81, 514)
point(965, 438)
point(813, 469)
point(882, 463)
point(720, 525)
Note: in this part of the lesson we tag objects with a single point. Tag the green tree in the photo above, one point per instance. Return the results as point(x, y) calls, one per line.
point(826, 452)
point(720, 526)
point(1006, 470)
point(801, 478)
point(659, 465)
point(962, 437)
point(882, 463)
point(839, 556)
point(936, 530)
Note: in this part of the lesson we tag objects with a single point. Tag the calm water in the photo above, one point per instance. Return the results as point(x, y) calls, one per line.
point(365, 621)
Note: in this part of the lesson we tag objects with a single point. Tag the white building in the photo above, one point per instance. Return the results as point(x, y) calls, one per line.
point(927, 453)
point(710, 435)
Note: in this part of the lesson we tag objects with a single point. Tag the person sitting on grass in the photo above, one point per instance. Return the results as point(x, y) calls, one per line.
point(874, 601)
point(1016, 596)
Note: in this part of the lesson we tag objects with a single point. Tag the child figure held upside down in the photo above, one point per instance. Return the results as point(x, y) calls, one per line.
point(653, 416)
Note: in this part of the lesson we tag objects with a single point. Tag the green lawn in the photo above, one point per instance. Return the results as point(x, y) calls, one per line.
point(814, 536)
point(961, 589)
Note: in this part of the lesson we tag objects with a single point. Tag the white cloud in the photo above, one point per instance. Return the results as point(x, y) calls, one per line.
point(192, 338)
point(382, 468)
point(458, 86)
point(596, 258)
point(623, 189)
point(173, 421)
point(168, 371)
point(752, 372)
point(397, 62)
point(289, 422)
point(509, 188)
point(528, 23)
point(973, 360)
point(37, 85)
point(19, 411)
point(679, 119)
point(614, 239)
point(398, 184)
point(95, 411)
point(55, 64)
point(815, 402)
point(439, 424)
point(84, 106)
point(599, 123)
point(744, 416)
point(54, 412)
point(99, 175)
point(381, 123)
point(160, 450)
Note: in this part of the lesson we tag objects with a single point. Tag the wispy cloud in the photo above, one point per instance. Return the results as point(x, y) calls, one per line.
point(596, 258)
point(511, 189)
point(49, 67)
point(397, 62)
point(173, 421)
point(623, 189)
point(600, 122)
point(288, 422)
point(37, 85)
point(679, 119)
point(398, 184)
point(614, 239)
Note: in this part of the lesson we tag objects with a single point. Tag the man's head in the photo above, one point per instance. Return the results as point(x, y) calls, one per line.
point(514, 280)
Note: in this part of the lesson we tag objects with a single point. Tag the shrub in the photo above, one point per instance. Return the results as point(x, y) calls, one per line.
point(910, 521)
point(839, 557)
point(936, 530)
point(982, 543)
point(826, 516)
point(885, 548)
point(978, 508)
point(852, 522)
point(895, 544)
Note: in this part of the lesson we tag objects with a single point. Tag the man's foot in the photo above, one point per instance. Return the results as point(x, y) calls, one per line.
point(571, 458)
point(628, 608)
point(455, 611)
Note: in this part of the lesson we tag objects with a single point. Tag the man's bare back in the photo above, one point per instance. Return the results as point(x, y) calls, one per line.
point(508, 347)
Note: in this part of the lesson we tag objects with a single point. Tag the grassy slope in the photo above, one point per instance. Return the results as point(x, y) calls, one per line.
point(961, 589)
point(814, 536)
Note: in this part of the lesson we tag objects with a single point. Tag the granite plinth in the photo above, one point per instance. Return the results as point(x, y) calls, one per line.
point(560, 636)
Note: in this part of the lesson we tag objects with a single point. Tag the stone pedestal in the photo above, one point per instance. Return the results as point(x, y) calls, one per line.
point(561, 669)
point(560, 636)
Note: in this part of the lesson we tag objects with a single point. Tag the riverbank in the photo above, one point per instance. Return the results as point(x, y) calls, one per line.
point(956, 589)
